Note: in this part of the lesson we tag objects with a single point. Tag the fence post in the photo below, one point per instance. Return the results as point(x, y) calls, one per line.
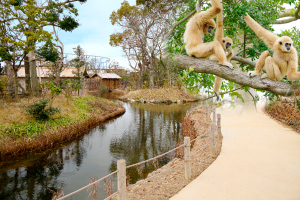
point(207, 115)
point(121, 166)
point(187, 158)
point(212, 138)
point(219, 124)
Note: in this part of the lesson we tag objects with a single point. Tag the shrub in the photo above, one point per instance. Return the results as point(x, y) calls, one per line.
point(39, 111)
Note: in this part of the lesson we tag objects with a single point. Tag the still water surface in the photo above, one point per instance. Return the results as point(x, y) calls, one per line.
point(144, 131)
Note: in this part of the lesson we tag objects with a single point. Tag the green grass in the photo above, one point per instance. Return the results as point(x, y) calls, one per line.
point(33, 128)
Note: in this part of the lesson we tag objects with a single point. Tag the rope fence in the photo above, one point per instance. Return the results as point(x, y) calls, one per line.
point(122, 177)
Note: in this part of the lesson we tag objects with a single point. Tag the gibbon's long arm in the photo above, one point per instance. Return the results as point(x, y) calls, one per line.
point(219, 35)
point(267, 36)
point(216, 7)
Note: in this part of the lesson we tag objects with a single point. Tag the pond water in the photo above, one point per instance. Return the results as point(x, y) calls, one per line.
point(142, 132)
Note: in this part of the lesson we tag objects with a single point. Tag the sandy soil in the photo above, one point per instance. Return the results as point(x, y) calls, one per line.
point(170, 179)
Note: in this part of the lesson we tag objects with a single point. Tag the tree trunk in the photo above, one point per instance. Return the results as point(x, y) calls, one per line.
point(201, 65)
point(10, 78)
point(33, 74)
point(141, 74)
point(16, 84)
point(27, 74)
point(151, 74)
point(58, 70)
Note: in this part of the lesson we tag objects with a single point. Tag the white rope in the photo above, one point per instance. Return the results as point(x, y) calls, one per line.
point(155, 157)
point(114, 194)
point(200, 135)
point(203, 147)
point(87, 186)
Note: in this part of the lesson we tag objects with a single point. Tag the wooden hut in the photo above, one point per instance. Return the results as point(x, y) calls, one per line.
point(109, 80)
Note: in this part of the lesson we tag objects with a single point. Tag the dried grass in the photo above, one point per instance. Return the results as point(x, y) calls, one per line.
point(169, 93)
point(286, 112)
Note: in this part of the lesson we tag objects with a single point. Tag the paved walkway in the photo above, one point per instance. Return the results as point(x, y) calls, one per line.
point(260, 159)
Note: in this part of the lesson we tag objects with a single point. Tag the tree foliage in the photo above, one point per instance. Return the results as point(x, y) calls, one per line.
point(49, 52)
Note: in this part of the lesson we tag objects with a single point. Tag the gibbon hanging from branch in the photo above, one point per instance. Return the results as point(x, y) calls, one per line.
point(194, 34)
point(227, 47)
point(285, 56)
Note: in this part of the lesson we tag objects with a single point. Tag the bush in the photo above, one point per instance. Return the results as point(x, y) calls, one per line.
point(39, 111)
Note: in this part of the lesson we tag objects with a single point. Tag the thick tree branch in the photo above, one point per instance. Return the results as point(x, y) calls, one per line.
point(211, 67)
point(292, 16)
point(285, 13)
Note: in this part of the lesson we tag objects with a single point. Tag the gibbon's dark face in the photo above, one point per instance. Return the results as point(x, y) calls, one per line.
point(227, 44)
point(210, 28)
point(285, 44)
point(288, 46)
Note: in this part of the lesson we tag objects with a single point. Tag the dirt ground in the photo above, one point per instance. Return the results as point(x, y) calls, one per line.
point(168, 180)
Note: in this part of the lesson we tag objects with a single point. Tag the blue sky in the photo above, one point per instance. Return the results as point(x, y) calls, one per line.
point(94, 30)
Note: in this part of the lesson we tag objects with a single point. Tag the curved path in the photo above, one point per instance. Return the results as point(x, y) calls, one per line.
point(260, 159)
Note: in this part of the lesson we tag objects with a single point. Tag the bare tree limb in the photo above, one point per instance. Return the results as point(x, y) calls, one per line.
point(285, 13)
point(211, 67)
point(204, 99)
point(293, 16)
point(243, 60)
point(177, 23)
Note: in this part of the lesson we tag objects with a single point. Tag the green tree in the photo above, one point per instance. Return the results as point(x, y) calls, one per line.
point(29, 17)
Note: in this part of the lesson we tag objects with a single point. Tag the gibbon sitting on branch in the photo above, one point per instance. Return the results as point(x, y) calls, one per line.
point(199, 24)
point(285, 57)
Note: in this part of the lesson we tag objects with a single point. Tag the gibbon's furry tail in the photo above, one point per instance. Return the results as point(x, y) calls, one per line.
point(267, 36)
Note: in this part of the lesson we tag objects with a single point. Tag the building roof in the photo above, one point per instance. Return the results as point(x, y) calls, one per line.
point(107, 75)
point(71, 72)
point(42, 72)
point(45, 72)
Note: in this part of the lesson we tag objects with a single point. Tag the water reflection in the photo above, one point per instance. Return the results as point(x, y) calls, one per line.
point(143, 132)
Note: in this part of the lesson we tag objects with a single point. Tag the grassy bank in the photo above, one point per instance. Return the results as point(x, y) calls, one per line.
point(160, 94)
point(20, 133)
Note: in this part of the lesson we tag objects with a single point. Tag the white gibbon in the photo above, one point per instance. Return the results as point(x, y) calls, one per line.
point(285, 56)
point(199, 24)
point(227, 47)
